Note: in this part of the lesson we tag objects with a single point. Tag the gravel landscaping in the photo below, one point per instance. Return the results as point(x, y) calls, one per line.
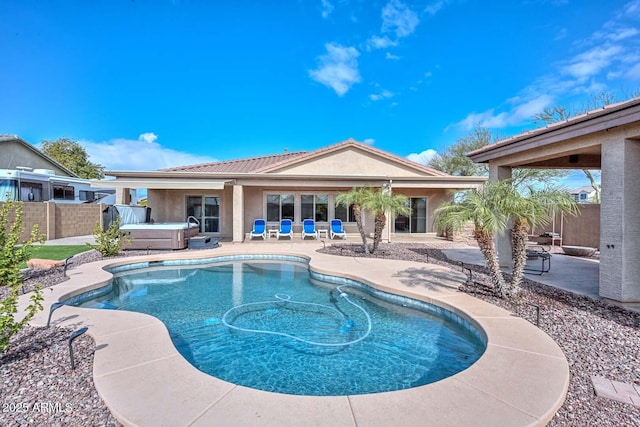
point(38, 386)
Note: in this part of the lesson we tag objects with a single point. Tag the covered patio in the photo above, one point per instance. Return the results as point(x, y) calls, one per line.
point(607, 139)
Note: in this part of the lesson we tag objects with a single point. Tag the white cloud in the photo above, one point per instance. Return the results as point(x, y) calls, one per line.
point(591, 62)
point(327, 8)
point(522, 111)
point(390, 55)
point(148, 137)
point(423, 157)
point(369, 141)
point(634, 72)
point(622, 33)
point(139, 154)
point(399, 19)
point(526, 110)
point(338, 68)
point(436, 6)
point(376, 42)
point(381, 95)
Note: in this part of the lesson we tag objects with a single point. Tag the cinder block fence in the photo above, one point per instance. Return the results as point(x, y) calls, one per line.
point(56, 221)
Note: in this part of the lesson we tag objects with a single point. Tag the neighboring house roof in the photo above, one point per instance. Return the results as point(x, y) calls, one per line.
point(6, 139)
point(585, 189)
point(281, 162)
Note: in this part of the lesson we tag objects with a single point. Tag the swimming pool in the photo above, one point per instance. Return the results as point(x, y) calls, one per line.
point(273, 325)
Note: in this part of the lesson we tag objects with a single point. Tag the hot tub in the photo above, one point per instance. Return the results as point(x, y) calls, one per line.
point(160, 235)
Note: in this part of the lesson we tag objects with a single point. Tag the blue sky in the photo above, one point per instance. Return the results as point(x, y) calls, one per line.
point(150, 84)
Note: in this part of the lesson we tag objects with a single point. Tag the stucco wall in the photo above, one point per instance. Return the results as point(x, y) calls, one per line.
point(435, 198)
point(351, 162)
point(170, 206)
point(580, 230)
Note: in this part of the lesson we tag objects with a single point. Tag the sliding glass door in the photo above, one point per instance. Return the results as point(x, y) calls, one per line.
point(205, 209)
point(416, 221)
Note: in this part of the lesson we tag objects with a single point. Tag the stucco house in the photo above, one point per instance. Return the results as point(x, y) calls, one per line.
point(583, 194)
point(226, 197)
point(17, 153)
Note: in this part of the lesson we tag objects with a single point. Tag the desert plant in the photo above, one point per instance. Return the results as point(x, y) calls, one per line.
point(492, 208)
point(110, 241)
point(528, 209)
point(13, 253)
point(486, 208)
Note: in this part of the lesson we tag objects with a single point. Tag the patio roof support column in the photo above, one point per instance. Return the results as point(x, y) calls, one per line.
point(503, 242)
point(123, 196)
point(386, 231)
point(238, 213)
point(619, 225)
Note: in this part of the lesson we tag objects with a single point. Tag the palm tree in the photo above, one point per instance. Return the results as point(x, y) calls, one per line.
point(486, 207)
point(379, 202)
point(356, 197)
point(529, 209)
point(491, 208)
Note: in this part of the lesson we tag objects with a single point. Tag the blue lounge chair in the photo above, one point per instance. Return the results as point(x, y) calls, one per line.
point(309, 229)
point(286, 229)
point(337, 230)
point(259, 229)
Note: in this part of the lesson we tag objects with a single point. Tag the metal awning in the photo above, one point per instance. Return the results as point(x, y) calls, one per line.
point(160, 183)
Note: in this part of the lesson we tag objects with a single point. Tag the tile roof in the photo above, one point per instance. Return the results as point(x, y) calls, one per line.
point(366, 147)
point(589, 115)
point(265, 164)
point(586, 189)
point(246, 165)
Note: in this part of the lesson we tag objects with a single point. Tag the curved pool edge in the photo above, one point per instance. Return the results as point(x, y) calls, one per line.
point(521, 379)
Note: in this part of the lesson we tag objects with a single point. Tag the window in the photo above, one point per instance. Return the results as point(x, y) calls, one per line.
point(315, 207)
point(63, 192)
point(87, 195)
point(8, 190)
point(280, 206)
point(344, 213)
point(30, 192)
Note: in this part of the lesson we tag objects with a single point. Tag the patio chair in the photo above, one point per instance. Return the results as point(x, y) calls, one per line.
point(309, 229)
point(259, 229)
point(545, 258)
point(336, 229)
point(286, 229)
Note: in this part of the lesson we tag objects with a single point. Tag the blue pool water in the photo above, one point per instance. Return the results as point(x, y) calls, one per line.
point(271, 325)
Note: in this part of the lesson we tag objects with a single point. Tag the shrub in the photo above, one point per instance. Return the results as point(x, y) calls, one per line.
point(13, 253)
point(110, 241)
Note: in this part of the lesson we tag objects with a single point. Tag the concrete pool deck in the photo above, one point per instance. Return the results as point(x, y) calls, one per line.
point(521, 380)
